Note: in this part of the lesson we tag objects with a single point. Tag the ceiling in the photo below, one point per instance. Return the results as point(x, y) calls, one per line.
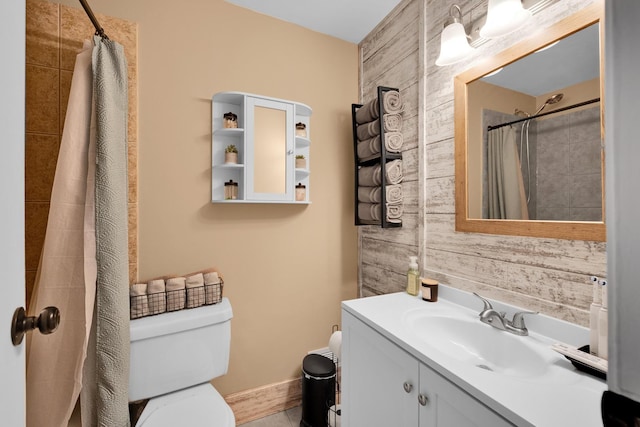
point(349, 20)
point(573, 60)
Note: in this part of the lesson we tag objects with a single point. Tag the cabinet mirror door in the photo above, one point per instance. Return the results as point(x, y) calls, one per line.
point(270, 154)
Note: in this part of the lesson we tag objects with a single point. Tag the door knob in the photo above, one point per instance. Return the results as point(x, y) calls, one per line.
point(47, 322)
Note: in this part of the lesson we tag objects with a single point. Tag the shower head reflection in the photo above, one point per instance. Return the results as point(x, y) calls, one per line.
point(552, 100)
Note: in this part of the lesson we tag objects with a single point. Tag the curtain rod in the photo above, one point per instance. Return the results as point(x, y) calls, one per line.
point(580, 104)
point(99, 30)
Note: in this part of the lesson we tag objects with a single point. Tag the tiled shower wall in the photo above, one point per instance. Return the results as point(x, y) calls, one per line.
point(55, 34)
point(548, 275)
point(569, 167)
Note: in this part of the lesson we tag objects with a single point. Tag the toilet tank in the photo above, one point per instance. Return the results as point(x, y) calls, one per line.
point(176, 350)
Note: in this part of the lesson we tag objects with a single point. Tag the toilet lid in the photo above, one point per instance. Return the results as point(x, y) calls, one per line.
point(199, 406)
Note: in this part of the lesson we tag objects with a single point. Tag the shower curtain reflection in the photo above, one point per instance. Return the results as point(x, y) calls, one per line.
point(506, 196)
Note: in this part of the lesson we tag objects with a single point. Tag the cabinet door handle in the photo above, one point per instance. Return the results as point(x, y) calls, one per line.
point(422, 399)
point(290, 152)
point(407, 387)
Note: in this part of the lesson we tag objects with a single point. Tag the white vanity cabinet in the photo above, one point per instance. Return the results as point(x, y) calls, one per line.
point(383, 385)
point(267, 146)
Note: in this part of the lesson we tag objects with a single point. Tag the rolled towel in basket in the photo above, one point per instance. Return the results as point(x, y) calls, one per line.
point(138, 298)
point(368, 112)
point(369, 176)
point(369, 147)
point(212, 288)
point(393, 172)
point(195, 290)
point(156, 296)
point(392, 102)
point(393, 142)
point(368, 130)
point(393, 194)
point(369, 211)
point(369, 194)
point(175, 288)
point(392, 122)
point(394, 213)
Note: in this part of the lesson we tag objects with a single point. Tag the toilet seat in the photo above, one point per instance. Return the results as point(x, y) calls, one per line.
point(199, 406)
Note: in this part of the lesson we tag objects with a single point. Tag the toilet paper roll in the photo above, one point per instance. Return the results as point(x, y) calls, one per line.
point(335, 343)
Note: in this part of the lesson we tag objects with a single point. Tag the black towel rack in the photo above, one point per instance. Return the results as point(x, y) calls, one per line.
point(379, 159)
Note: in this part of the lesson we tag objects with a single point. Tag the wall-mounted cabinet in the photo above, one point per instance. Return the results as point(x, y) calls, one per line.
point(267, 142)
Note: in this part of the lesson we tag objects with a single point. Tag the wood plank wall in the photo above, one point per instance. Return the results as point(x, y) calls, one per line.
point(547, 275)
point(390, 57)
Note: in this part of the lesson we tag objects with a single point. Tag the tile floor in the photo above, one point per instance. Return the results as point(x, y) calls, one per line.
point(288, 418)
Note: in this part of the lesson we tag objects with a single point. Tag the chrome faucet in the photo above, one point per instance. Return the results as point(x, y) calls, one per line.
point(499, 321)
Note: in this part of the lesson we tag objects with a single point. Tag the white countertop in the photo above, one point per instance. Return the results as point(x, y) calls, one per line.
point(562, 397)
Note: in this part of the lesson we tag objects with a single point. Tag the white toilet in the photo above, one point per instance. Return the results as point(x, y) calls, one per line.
point(173, 358)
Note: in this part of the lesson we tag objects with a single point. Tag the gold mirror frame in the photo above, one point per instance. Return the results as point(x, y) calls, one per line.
point(572, 230)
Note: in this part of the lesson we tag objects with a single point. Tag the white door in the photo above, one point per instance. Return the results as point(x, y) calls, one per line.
point(12, 77)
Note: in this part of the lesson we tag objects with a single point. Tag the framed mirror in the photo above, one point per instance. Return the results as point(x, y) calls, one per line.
point(528, 136)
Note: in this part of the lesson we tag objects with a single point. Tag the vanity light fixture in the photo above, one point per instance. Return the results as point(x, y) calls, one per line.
point(454, 43)
point(504, 17)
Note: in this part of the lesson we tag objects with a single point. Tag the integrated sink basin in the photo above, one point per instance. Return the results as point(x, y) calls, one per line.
point(467, 340)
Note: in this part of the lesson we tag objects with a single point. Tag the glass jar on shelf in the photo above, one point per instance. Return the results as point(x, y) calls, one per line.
point(301, 129)
point(230, 121)
point(301, 192)
point(230, 190)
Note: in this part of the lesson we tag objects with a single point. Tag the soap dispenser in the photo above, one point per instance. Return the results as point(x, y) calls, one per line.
point(413, 276)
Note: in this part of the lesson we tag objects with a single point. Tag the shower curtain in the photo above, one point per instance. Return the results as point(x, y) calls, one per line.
point(84, 264)
point(506, 195)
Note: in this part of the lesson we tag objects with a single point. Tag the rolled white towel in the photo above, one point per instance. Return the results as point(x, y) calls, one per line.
point(175, 293)
point(394, 213)
point(393, 172)
point(369, 194)
point(139, 305)
point(393, 194)
point(212, 288)
point(393, 142)
point(368, 112)
point(195, 290)
point(368, 130)
point(392, 122)
point(369, 147)
point(392, 102)
point(156, 296)
point(369, 211)
point(369, 176)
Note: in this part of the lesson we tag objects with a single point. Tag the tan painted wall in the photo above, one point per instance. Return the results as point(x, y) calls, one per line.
point(286, 268)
